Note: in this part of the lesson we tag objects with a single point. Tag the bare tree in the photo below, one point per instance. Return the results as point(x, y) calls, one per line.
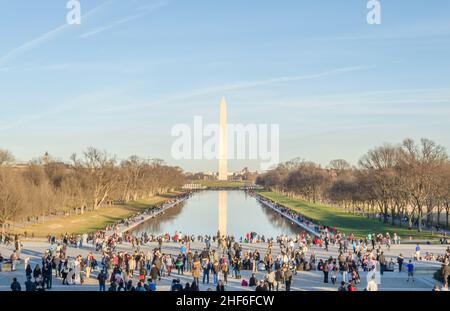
point(6, 157)
point(419, 163)
point(11, 196)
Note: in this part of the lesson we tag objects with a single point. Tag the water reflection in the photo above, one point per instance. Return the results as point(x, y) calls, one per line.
point(223, 212)
point(231, 212)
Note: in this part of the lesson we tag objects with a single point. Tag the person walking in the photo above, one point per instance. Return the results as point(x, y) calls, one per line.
point(279, 278)
point(288, 279)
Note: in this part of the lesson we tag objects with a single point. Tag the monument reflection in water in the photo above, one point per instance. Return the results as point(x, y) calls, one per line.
point(232, 212)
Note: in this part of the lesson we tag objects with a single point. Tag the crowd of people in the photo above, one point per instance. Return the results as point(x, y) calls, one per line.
point(222, 258)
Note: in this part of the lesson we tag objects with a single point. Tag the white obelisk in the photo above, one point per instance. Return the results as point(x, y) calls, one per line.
point(223, 144)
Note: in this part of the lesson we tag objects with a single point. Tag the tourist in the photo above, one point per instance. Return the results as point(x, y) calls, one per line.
point(30, 286)
point(196, 271)
point(270, 279)
point(47, 274)
point(261, 287)
point(15, 286)
point(400, 260)
point(410, 268)
point(343, 288)
point(372, 285)
point(220, 287)
point(382, 261)
point(417, 253)
point(152, 285)
point(179, 264)
point(288, 275)
point(113, 287)
point(206, 266)
point(187, 287)
point(352, 287)
point(101, 277)
point(334, 275)
point(325, 272)
point(169, 265)
point(129, 287)
point(176, 286)
point(215, 270)
point(279, 278)
point(65, 273)
point(253, 281)
point(225, 269)
point(154, 273)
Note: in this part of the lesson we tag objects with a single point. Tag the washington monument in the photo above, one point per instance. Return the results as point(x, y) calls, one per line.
point(223, 145)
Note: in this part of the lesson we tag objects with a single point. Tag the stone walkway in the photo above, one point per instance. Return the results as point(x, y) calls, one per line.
point(303, 281)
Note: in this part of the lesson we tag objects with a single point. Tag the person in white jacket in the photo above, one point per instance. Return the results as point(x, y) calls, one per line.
point(372, 285)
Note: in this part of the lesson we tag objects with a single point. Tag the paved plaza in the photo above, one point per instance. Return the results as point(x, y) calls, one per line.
point(303, 281)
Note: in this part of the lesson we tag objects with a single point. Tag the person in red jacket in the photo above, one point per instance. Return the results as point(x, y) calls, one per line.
point(352, 287)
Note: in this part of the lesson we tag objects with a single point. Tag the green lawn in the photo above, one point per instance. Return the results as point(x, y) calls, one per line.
point(341, 220)
point(93, 220)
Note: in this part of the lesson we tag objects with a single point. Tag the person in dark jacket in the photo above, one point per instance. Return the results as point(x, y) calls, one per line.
point(101, 277)
point(48, 274)
point(220, 287)
point(253, 281)
point(37, 271)
point(288, 279)
point(400, 260)
point(28, 271)
point(325, 272)
point(30, 286)
point(15, 286)
point(154, 273)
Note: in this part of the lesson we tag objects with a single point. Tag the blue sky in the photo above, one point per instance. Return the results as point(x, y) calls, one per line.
point(120, 80)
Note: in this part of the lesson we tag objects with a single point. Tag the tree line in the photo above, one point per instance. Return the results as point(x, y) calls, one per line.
point(89, 182)
point(407, 184)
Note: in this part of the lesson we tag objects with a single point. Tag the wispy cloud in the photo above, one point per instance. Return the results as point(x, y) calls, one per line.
point(145, 10)
point(428, 29)
point(44, 37)
point(221, 89)
point(85, 101)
